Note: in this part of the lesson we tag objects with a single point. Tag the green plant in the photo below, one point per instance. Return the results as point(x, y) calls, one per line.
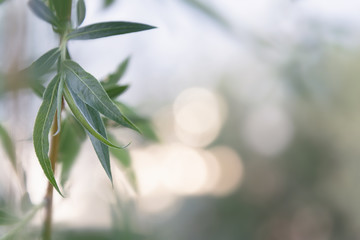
point(92, 107)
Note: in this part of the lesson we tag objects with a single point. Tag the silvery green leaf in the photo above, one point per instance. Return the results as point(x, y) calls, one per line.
point(81, 12)
point(42, 11)
point(90, 91)
point(42, 127)
point(106, 29)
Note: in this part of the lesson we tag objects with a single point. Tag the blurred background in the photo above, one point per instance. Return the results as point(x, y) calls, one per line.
point(255, 105)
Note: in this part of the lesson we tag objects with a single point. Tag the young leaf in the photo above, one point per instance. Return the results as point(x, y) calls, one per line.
point(115, 91)
point(90, 91)
point(42, 127)
point(82, 119)
point(8, 145)
point(106, 29)
point(6, 218)
point(43, 63)
point(42, 11)
point(71, 138)
point(93, 117)
point(116, 76)
point(81, 12)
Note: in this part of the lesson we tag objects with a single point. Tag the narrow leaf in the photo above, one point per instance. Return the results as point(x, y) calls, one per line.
point(106, 29)
point(6, 218)
point(8, 145)
point(93, 117)
point(118, 74)
point(90, 91)
point(42, 11)
point(43, 63)
point(42, 127)
point(83, 121)
point(115, 91)
point(81, 12)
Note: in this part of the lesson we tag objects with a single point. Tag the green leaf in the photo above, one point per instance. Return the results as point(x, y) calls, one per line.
point(90, 91)
point(6, 218)
point(106, 29)
point(42, 11)
point(42, 127)
point(115, 91)
point(118, 74)
point(81, 12)
point(79, 115)
point(8, 145)
point(71, 138)
point(93, 117)
point(62, 9)
point(43, 63)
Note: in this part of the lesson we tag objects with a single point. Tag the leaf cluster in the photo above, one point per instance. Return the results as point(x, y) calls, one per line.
point(91, 102)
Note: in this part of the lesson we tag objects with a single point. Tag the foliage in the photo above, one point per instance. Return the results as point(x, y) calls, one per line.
point(91, 104)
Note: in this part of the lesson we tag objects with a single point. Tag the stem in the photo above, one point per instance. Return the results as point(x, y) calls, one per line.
point(54, 150)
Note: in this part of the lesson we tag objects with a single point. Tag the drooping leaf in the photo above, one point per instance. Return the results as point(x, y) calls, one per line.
point(115, 91)
point(8, 145)
point(80, 116)
point(43, 63)
point(93, 117)
point(42, 11)
point(7, 218)
point(106, 29)
point(42, 127)
point(115, 77)
point(71, 138)
point(90, 91)
point(81, 12)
